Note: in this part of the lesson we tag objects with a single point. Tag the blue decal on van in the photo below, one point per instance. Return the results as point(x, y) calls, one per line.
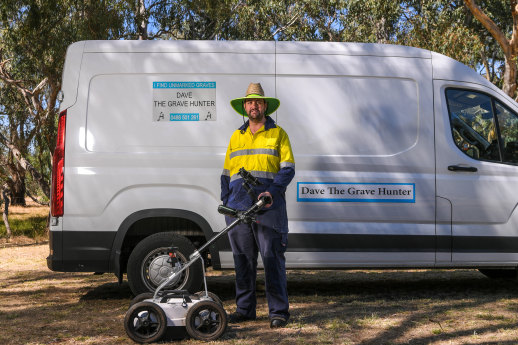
point(184, 85)
point(355, 192)
point(184, 117)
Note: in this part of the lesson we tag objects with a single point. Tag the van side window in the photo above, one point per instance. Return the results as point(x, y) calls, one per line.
point(473, 124)
point(508, 124)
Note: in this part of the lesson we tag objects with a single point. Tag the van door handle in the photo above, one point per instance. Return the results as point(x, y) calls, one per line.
point(461, 168)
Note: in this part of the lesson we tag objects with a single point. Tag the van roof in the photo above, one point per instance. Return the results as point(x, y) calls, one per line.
point(332, 48)
point(444, 67)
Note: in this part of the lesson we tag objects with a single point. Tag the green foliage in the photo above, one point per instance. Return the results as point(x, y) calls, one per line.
point(373, 21)
point(444, 27)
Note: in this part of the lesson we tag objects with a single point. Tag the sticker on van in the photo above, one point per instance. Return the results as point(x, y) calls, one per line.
point(184, 101)
point(355, 192)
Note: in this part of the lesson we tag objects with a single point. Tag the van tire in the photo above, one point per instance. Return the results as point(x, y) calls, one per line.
point(148, 267)
point(500, 273)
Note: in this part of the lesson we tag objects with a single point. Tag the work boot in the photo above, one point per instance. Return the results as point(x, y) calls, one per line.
point(278, 322)
point(237, 317)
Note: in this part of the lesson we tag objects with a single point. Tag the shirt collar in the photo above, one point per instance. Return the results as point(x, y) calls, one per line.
point(269, 124)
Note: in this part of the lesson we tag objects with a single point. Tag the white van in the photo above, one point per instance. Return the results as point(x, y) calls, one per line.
point(404, 157)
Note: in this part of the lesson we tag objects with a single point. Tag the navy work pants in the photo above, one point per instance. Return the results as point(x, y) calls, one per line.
point(246, 241)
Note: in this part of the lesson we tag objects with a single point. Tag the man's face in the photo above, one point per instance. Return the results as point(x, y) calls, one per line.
point(255, 109)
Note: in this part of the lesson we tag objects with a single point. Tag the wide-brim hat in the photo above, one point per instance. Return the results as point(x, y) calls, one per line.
point(255, 91)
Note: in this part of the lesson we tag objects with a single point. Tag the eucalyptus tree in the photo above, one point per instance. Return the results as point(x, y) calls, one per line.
point(500, 18)
point(34, 38)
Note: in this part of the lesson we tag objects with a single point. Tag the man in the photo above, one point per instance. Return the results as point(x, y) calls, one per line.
point(263, 149)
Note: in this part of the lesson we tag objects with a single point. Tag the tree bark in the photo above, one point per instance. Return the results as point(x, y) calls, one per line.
point(5, 213)
point(142, 20)
point(17, 187)
point(509, 86)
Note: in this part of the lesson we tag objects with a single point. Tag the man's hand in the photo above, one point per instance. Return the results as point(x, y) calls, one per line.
point(266, 194)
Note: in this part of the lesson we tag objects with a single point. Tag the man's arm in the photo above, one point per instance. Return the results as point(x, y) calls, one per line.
point(287, 168)
point(225, 178)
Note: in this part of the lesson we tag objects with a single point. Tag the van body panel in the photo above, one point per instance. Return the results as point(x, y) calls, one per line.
point(71, 70)
point(348, 49)
point(180, 46)
point(370, 131)
point(335, 260)
point(443, 214)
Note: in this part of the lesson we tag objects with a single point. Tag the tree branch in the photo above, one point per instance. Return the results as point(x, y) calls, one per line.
point(292, 20)
point(493, 29)
point(25, 164)
point(31, 97)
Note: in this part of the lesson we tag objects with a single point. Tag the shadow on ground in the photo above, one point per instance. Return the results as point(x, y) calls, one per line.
point(328, 307)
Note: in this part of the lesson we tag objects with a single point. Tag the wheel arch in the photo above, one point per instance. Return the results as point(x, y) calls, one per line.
point(197, 226)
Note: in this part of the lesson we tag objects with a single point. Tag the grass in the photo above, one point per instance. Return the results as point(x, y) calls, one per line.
point(27, 222)
point(328, 307)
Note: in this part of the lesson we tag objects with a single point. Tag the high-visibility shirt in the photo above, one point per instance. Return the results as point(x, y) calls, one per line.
point(268, 156)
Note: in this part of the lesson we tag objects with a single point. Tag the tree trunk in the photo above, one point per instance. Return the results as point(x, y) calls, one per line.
point(509, 86)
point(18, 189)
point(142, 21)
point(24, 163)
point(5, 214)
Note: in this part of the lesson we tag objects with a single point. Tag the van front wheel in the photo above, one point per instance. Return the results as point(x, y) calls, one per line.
point(148, 266)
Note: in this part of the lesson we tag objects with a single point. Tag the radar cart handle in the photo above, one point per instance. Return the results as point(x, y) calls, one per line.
point(241, 216)
point(227, 211)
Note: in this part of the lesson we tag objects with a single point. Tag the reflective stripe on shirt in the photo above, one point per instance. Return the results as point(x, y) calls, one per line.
point(248, 152)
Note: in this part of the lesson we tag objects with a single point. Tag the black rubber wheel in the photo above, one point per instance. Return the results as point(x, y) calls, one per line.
point(212, 296)
point(141, 297)
point(500, 273)
point(148, 266)
point(145, 322)
point(206, 320)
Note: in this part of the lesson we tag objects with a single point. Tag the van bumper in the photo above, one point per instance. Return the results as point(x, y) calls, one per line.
point(80, 251)
point(55, 258)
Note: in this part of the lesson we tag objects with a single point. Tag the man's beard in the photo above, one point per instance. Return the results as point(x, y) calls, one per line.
point(257, 118)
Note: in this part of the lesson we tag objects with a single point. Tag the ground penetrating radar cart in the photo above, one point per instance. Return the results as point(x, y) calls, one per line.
point(201, 313)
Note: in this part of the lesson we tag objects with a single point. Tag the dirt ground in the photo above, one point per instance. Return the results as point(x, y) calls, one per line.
point(38, 306)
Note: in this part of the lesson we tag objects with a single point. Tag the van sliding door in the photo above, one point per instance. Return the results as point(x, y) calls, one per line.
point(361, 128)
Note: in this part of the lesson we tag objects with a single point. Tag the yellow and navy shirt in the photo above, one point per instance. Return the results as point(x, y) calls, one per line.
point(267, 155)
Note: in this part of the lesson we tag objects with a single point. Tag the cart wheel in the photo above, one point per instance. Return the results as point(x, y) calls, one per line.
point(206, 320)
point(212, 296)
point(141, 297)
point(145, 322)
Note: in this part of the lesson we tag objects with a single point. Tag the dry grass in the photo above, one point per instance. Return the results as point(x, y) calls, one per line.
point(328, 307)
point(38, 306)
